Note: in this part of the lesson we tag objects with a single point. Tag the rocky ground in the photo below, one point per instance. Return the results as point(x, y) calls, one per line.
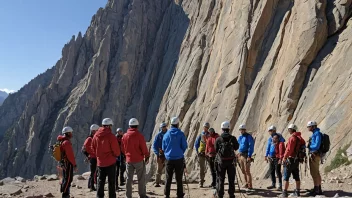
point(337, 183)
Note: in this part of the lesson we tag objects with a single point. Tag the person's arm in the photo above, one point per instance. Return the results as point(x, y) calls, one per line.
point(289, 147)
point(268, 147)
point(88, 146)
point(183, 143)
point(197, 143)
point(216, 145)
point(235, 143)
point(315, 144)
point(67, 146)
point(250, 146)
point(115, 147)
point(155, 145)
point(143, 146)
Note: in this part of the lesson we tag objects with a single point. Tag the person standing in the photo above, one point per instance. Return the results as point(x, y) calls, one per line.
point(315, 157)
point(68, 162)
point(246, 149)
point(210, 153)
point(106, 149)
point(120, 161)
point(290, 160)
point(160, 157)
point(225, 147)
point(199, 146)
point(87, 147)
point(174, 146)
point(274, 149)
point(137, 156)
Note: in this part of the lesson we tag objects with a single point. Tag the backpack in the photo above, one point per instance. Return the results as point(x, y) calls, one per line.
point(56, 151)
point(301, 153)
point(227, 149)
point(202, 144)
point(325, 143)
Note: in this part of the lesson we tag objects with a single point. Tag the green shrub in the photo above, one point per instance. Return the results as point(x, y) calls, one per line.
point(339, 159)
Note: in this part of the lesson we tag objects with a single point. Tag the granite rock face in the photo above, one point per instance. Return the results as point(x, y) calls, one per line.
point(263, 62)
point(120, 68)
point(259, 62)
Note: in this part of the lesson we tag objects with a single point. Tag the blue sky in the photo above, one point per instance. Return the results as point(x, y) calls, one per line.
point(33, 33)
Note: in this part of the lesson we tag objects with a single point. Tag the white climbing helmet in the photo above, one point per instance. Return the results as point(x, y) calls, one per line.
point(292, 126)
point(174, 120)
point(107, 122)
point(272, 128)
point(94, 127)
point(119, 130)
point(311, 123)
point(242, 127)
point(133, 122)
point(225, 125)
point(67, 130)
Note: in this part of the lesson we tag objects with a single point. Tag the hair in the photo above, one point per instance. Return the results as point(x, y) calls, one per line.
point(133, 127)
point(226, 130)
point(277, 135)
point(175, 125)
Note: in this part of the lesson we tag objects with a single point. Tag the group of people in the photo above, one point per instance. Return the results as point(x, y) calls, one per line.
point(110, 155)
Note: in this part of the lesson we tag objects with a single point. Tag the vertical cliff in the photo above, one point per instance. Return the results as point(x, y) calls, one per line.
point(259, 62)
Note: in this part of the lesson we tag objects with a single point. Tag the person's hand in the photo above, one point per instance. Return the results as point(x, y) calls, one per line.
point(266, 159)
point(75, 169)
point(249, 160)
point(279, 162)
point(146, 160)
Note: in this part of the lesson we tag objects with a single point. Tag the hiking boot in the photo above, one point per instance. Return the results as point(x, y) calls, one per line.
point(93, 189)
point(279, 188)
point(284, 194)
point(157, 185)
point(245, 186)
point(271, 187)
point(320, 191)
point(295, 193)
point(200, 185)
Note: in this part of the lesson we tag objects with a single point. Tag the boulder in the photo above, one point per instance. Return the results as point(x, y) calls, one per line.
point(78, 177)
point(8, 180)
point(48, 195)
point(20, 179)
point(17, 192)
point(52, 178)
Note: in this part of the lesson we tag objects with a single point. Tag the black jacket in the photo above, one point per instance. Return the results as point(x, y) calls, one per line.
point(226, 137)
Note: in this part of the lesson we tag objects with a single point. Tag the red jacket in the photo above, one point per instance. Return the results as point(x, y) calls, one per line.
point(280, 150)
point(210, 145)
point(88, 146)
point(66, 149)
point(291, 151)
point(119, 140)
point(105, 147)
point(134, 146)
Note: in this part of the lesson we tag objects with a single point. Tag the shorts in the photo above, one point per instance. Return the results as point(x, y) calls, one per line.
point(314, 166)
point(292, 168)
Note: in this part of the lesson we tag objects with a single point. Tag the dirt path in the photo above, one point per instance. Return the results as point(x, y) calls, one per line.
point(339, 181)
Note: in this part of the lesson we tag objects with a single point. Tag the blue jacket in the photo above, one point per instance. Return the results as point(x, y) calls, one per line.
point(197, 143)
point(174, 144)
point(158, 140)
point(315, 141)
point(246, 143)
point(270, 147)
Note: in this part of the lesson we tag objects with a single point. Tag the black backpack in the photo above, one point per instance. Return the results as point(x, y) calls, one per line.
point(301, 153)
point(227, 148)
point(325, 143)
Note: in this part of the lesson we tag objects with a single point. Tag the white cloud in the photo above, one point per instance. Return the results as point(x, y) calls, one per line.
point(8, 90)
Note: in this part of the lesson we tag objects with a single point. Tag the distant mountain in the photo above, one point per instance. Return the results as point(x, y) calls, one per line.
point(3, 96)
